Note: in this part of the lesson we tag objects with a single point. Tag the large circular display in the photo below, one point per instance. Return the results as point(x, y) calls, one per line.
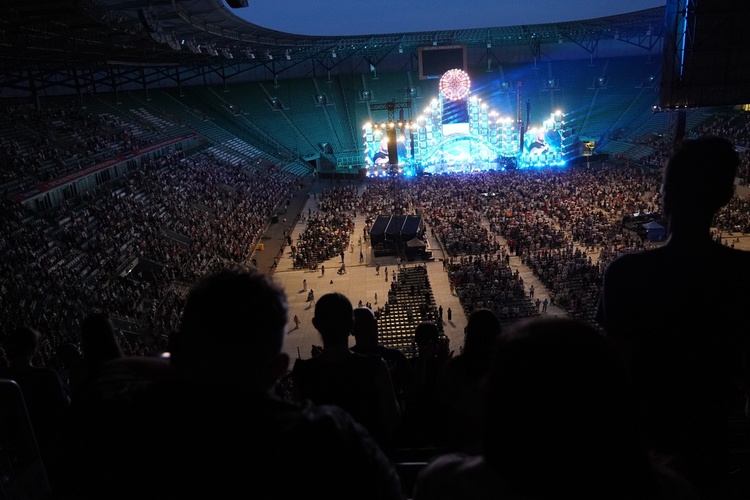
point(455, 84)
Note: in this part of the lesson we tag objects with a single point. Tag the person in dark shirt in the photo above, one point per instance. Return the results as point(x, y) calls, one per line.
point(422, 417)
point(212, 427)
point(358, 383)
point(460, 385)
point(44, 393)
point(558, 422)
point(99, 345)
point(365, 332)
point(678, 319)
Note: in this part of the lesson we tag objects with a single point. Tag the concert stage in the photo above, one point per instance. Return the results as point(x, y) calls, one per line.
point(459, 133)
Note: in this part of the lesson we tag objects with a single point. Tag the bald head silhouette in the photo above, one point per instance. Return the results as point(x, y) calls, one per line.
point(698, 180)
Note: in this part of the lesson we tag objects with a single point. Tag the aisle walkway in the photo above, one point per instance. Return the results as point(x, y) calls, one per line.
point(361, 282)
point(529, 278)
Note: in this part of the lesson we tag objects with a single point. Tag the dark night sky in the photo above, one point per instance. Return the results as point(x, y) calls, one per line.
point(357, 17)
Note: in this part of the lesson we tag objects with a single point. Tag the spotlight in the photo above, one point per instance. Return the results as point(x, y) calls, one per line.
point(288, 55)
point(333, 54)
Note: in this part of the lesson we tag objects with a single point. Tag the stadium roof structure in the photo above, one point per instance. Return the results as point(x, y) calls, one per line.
point(65, 40)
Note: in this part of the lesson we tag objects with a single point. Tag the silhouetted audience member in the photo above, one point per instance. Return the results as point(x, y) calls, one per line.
point(421, 418)
point(44, 394)
point(559, 423)
point(365, 332)
point(99, 345)
point(358, 383)
point(677, 315)
point(68, 355)
point(460, 384)
point(213, 428)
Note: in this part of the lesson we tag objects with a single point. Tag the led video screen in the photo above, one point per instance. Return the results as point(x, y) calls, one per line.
point(434, 60)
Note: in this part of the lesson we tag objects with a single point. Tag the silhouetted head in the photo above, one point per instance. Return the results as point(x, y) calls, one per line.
point(98, 340)
point(232, 329)
point(482, 331)
point(426, 336)
point(365, 326)
point(333, 317)
point(560, 411)
point(22, 343)
point(69, 354)
point(699, 176)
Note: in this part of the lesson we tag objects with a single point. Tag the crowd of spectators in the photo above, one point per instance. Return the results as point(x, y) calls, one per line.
point(553, 220)
point(131, 247)
point(565, 225)
point(550, 219)
point(733, 126)
point(384, 198)
point(490, 283)
point(135, 246)
point(328, 231)
point(188, 215)
point(61, 138)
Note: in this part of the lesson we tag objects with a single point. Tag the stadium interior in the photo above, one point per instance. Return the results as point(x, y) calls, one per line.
point(144, 144)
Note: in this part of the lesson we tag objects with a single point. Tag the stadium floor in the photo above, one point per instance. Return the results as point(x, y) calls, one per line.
point(360, 281)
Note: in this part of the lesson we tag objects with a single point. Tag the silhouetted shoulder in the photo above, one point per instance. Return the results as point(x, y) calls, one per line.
point(456, 475)
point(691, 287)
point(182, 440)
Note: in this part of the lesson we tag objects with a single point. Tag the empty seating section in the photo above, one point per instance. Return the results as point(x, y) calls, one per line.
point(410, 301)
point(232, 137)
point(634, 115)
point(393, 86)
point(340, 98)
